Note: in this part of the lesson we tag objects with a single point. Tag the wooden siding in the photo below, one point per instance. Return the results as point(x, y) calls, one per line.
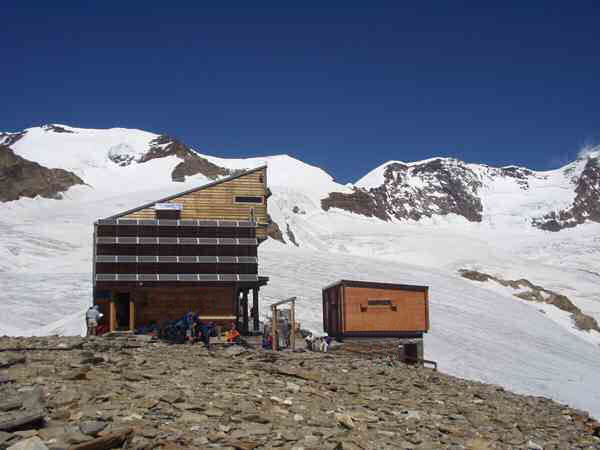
point(406, 312)
point(160, 304)
point(218, 202)
point(353, 308)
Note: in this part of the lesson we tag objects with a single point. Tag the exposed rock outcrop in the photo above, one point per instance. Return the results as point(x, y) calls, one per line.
point(163, 146)
point(274, 232)
point(437, 187)
point(56, 128)
point(9, 139)
point(290, 235)
point(22, 178)
point(361, 201)
point(586, 205)
point(535, 293)
point(192, 163)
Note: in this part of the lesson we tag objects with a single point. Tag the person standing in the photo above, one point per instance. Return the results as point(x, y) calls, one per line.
point(92, 316)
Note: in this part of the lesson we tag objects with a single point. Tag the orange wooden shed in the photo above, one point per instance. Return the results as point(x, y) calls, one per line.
point(368, 309)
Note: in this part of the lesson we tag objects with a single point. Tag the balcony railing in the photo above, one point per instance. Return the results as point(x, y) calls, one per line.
point(176, 259)
point(133, 240)
point(189, 277)
point(178, 223)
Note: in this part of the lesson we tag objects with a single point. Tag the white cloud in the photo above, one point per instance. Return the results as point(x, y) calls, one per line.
point(589, 150)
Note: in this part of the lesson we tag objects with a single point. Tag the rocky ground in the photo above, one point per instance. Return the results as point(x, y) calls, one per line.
point(132, 393)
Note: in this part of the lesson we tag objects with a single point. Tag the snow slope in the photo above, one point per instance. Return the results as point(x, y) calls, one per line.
point(475, 333)
point(45, 258)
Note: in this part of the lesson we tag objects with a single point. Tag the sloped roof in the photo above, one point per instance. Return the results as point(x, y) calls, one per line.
point(189, 191)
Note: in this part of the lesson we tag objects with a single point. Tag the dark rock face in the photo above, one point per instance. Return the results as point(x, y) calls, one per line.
point(520, 174)
point(9, 139)
point(366, 203)
point(192, 163)
point(586, 205)
point(22, 178)
point(163, 146)
point(436, 187)
point(473, 275)
point(274, 232)
point(290, 235)
point(56, 129)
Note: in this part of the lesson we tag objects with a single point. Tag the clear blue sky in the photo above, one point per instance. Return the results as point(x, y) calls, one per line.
point(343, 87)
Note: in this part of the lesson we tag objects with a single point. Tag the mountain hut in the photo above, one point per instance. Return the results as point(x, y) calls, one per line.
point(192, 251)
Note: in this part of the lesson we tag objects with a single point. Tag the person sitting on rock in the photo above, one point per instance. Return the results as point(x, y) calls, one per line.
point(204, 332)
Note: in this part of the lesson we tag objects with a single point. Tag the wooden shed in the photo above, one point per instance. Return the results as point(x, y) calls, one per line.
point(367, 309)
point(193, 251)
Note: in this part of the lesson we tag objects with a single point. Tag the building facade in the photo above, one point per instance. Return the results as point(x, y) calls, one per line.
point(193, 251)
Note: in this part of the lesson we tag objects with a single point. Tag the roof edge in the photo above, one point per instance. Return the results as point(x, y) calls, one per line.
point(359, 283)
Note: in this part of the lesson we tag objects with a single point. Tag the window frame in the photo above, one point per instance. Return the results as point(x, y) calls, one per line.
point(261, 197)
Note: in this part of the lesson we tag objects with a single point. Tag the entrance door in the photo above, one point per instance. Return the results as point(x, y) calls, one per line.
point(122, 307)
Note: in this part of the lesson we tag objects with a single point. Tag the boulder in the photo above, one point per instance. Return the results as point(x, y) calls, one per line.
point(33, 443)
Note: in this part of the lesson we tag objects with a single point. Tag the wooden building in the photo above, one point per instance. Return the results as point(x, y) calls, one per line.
point(193, 251)
point(365, 309)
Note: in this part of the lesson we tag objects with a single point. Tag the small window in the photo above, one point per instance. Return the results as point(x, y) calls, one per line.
point(167, 214)
point(380, 302)
point(252, 200)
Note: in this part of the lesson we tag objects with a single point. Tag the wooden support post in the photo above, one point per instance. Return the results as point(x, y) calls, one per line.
point(255, 309)
point(236, 306)
point(131, 315)
point(245, 311)
point(112, 314)
point(274, 328)
point(293, 326)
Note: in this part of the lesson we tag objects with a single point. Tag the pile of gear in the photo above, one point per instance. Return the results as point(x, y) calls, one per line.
point(191, 329)
point(317, 343)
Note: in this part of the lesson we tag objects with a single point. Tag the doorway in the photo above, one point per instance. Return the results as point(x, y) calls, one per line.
point(122, 307)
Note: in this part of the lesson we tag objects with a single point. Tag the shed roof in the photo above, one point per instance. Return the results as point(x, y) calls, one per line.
point(189, 191)
point(373, 284)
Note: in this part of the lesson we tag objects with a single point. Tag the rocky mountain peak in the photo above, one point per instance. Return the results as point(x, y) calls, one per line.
point(9, 139)
point(164, 146)
point(55, 128)
point(585, 206)
point(438, 186)
point(444, 186)
point(20, 177)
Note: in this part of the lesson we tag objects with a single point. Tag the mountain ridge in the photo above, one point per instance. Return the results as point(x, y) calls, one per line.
point(394, 191)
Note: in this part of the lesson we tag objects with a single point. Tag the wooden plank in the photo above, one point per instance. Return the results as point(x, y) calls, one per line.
point(203, 317)
point(293, 330)
point(112, 324)
point(274, 328)
point(255, 317)
point(131, 315)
